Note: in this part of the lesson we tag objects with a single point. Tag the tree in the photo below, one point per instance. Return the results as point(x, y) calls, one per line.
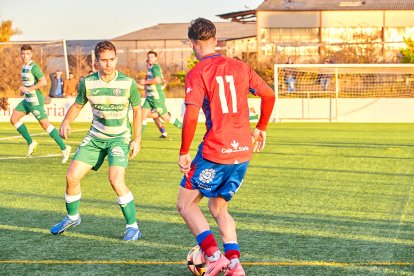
point(7, 31)
point(408, 52)
point(10, 63)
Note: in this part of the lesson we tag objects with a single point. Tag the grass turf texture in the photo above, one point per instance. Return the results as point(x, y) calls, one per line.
point(321, 199)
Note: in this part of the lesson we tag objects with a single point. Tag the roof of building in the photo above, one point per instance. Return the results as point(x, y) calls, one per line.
point(178, 31)
point(335, 5)
point(246, 16)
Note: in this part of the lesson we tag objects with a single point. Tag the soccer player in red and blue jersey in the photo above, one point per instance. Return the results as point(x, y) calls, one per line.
point(220, 86)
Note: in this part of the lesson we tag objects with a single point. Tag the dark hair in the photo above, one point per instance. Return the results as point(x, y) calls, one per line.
point(104, 46)
point(26, 47)
point(201, 29)
point(152, 52)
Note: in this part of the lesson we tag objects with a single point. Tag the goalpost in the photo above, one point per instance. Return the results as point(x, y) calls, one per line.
point(317, 91)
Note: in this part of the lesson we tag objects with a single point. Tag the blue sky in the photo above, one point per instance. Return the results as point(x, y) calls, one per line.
point(105, 19)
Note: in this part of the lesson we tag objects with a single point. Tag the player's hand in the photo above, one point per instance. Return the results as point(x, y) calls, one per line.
point(135, 147)
point(64, 130)
point(258, 140)
point(185, 163)
point(23, 90)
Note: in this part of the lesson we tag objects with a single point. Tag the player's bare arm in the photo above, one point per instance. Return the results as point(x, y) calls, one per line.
point(73, 112)
point(135, 144)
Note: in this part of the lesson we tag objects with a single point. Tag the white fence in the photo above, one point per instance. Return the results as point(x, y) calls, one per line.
point(371, 110)
point(58, 108)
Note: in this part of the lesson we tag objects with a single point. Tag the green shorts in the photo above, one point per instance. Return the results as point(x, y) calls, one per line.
point(37, 110)
point(157, 104)
point(93, 152)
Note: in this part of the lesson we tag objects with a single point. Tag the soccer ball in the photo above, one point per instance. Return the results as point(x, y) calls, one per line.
point(196, 261)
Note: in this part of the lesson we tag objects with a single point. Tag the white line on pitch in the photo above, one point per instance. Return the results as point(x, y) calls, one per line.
point(32, 157)
point(37, 134)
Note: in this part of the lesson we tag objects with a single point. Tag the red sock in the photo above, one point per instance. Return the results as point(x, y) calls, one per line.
point(231, 254)
point(209, 245)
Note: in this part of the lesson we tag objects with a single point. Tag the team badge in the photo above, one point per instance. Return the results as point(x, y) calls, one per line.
point(207, 175)
point(117, 92)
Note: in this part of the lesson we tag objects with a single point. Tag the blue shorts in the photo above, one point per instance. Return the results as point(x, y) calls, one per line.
point(213, 179)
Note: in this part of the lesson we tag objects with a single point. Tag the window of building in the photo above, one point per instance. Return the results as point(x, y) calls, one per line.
point(351, 35)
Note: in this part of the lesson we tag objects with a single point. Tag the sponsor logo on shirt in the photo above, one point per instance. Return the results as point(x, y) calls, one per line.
point(188, 90)
point(235, 147)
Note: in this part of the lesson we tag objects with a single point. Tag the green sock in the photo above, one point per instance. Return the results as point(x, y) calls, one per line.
point(55, 135)
point(129, 212)
point(73, 207)
point(254, 117)
point(178, 123)
point(23, 131)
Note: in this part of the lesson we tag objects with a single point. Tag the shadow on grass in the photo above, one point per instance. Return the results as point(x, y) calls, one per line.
point(274, 238)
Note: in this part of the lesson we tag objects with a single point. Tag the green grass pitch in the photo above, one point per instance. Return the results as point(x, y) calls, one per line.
point(322, 199)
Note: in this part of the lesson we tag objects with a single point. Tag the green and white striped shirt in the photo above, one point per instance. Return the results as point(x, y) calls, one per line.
point(110, 103)
point(154, 90)
point(31, 74)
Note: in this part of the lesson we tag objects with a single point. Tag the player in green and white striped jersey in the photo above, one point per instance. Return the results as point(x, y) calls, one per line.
point(110, 94)
point(154, 93)
point(33, 79)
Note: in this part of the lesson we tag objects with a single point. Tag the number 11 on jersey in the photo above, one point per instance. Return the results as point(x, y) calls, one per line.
point(222, 93)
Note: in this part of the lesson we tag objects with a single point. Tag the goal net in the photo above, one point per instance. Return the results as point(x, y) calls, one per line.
point(50, 56)
point(313, 91)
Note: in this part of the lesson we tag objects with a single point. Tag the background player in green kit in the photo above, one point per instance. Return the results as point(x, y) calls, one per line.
point(33, 79)
point(154, 93)
point(110, 94)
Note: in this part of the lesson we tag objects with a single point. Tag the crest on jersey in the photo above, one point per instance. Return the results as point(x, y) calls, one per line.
point(207, 175)
point(117, 92)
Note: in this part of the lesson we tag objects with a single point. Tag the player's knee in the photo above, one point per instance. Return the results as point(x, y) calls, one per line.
point(71, 179)
point(182, 207)
point(115, 180)
point(216, 209)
